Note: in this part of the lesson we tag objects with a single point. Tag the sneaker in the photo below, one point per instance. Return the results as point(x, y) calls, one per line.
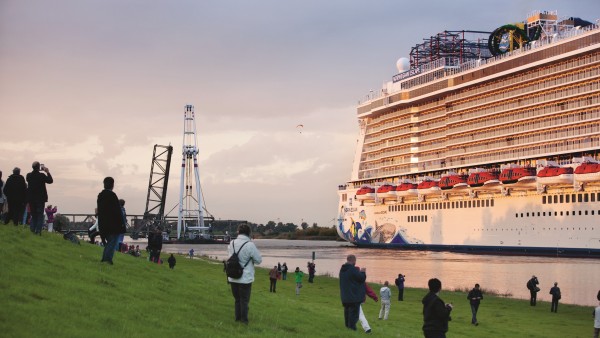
point(368, 331)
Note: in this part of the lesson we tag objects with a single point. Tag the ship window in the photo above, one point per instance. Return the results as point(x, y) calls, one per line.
point(452, 205)
point(544, 213)
point(461, 204)
point(478, 203)
point(592, 212)
point(521, 214)
point(527, 214)
point(555, 213)
point(492, 203)
point(568, 198)
point(585, 197)
point(517, 215)
point(555, 199)
point(487, 203)
point(579, 198)
point(543, 199)
point(579, 212)
point(598, 196)
point(561, 213)
point(567, 212)
point(538, 214)
point(573, 198)
point(425, 218)
point(561, 199)
point(585, 212)
point(469, 204)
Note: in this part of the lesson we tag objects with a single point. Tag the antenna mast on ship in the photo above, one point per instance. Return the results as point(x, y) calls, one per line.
point(191, 216)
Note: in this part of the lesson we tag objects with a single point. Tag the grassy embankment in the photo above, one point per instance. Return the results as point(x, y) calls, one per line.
point(53, 288)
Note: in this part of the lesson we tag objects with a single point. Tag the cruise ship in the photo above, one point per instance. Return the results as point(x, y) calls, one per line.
point(484, 142)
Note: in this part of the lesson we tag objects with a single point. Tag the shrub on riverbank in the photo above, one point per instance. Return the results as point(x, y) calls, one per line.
point(52, 288)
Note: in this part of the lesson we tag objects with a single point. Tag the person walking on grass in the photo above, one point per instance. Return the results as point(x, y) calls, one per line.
point(352, 290)
point(361, 313)
point(172, 261)
point(248, 256)
point(596, 315)
point(555, 292)
point(284, 270)
point(298, 274)
point(400, 284)
point(475, 296)
point(386, 295)
point(110, 219)
point(273, 273)
point(436, 314)
point(37, 195)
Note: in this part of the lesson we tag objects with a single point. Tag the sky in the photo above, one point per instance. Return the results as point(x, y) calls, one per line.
point(89, 87)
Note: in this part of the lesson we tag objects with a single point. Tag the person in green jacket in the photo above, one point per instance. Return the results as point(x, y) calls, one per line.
point(299, 274)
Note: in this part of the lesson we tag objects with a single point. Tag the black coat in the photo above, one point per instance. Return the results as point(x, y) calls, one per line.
point(110, 217)
point(352, 284)
point(475, 293)
point(36, 189)
point(15, 188)
point(435, 314)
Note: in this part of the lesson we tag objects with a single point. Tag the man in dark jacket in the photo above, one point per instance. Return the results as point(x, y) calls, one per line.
point(110, 219)
point(555, 292)
point(352, 290)
point(436, 314)
point(37, 195)
point(155, 241)
point(400, 284)
point(15, 190)
point(475, 296)
point(532, 286)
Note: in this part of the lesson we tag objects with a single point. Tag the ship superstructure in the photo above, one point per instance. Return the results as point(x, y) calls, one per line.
point(481, 149)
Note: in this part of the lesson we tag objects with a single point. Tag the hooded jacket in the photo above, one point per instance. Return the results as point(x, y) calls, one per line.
point(435, 314)
point(352, 280)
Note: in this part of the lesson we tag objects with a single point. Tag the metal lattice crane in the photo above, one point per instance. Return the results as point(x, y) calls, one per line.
point(191, 206)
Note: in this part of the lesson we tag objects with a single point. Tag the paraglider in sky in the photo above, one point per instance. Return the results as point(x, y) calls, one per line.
point(299, 128)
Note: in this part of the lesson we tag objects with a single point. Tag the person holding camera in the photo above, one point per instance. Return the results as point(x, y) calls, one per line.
point(37, 195)
point(436, 314)
point(400, 284)
point(532, 286)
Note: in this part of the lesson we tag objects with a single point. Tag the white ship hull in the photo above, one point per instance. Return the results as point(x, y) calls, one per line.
point(491, 223)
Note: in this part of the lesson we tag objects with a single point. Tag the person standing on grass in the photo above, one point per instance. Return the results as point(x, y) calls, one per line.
point(50, 211)
point(273, 273)
point(110, 219)
point(37, 195)
point(475, 296)
point(361, 313)
point(352, 290)
point(248, 256)
point(172, 261)
point(555, 292)
point(298, 274)
point(386, 295)
point(596, 315)
point(436, 314)
point(284, 270)
point(400, 284)
point(532, 286)
point(15, 190)
point(311, 271)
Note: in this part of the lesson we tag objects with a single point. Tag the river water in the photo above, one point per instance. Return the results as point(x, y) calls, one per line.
point(578, 279)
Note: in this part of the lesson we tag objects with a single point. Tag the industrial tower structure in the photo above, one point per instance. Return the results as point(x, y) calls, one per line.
point(191, 206)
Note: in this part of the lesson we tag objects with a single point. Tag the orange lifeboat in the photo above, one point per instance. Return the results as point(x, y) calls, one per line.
point(555, 175)
point(453, 181)
point(587, 172)
point(406, 189)
point(519, 177)
point(365, 193)
point(428, 187)
point(386, 191)
point(481, 179)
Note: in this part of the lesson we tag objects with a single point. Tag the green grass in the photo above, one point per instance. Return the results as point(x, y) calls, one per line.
point(50, 287)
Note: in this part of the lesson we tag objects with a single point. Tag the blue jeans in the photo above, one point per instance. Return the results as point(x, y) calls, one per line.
point(109, 248)
point(37, 217)
point(241, 293)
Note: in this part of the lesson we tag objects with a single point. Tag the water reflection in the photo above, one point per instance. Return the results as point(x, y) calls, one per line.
point(577, 278)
